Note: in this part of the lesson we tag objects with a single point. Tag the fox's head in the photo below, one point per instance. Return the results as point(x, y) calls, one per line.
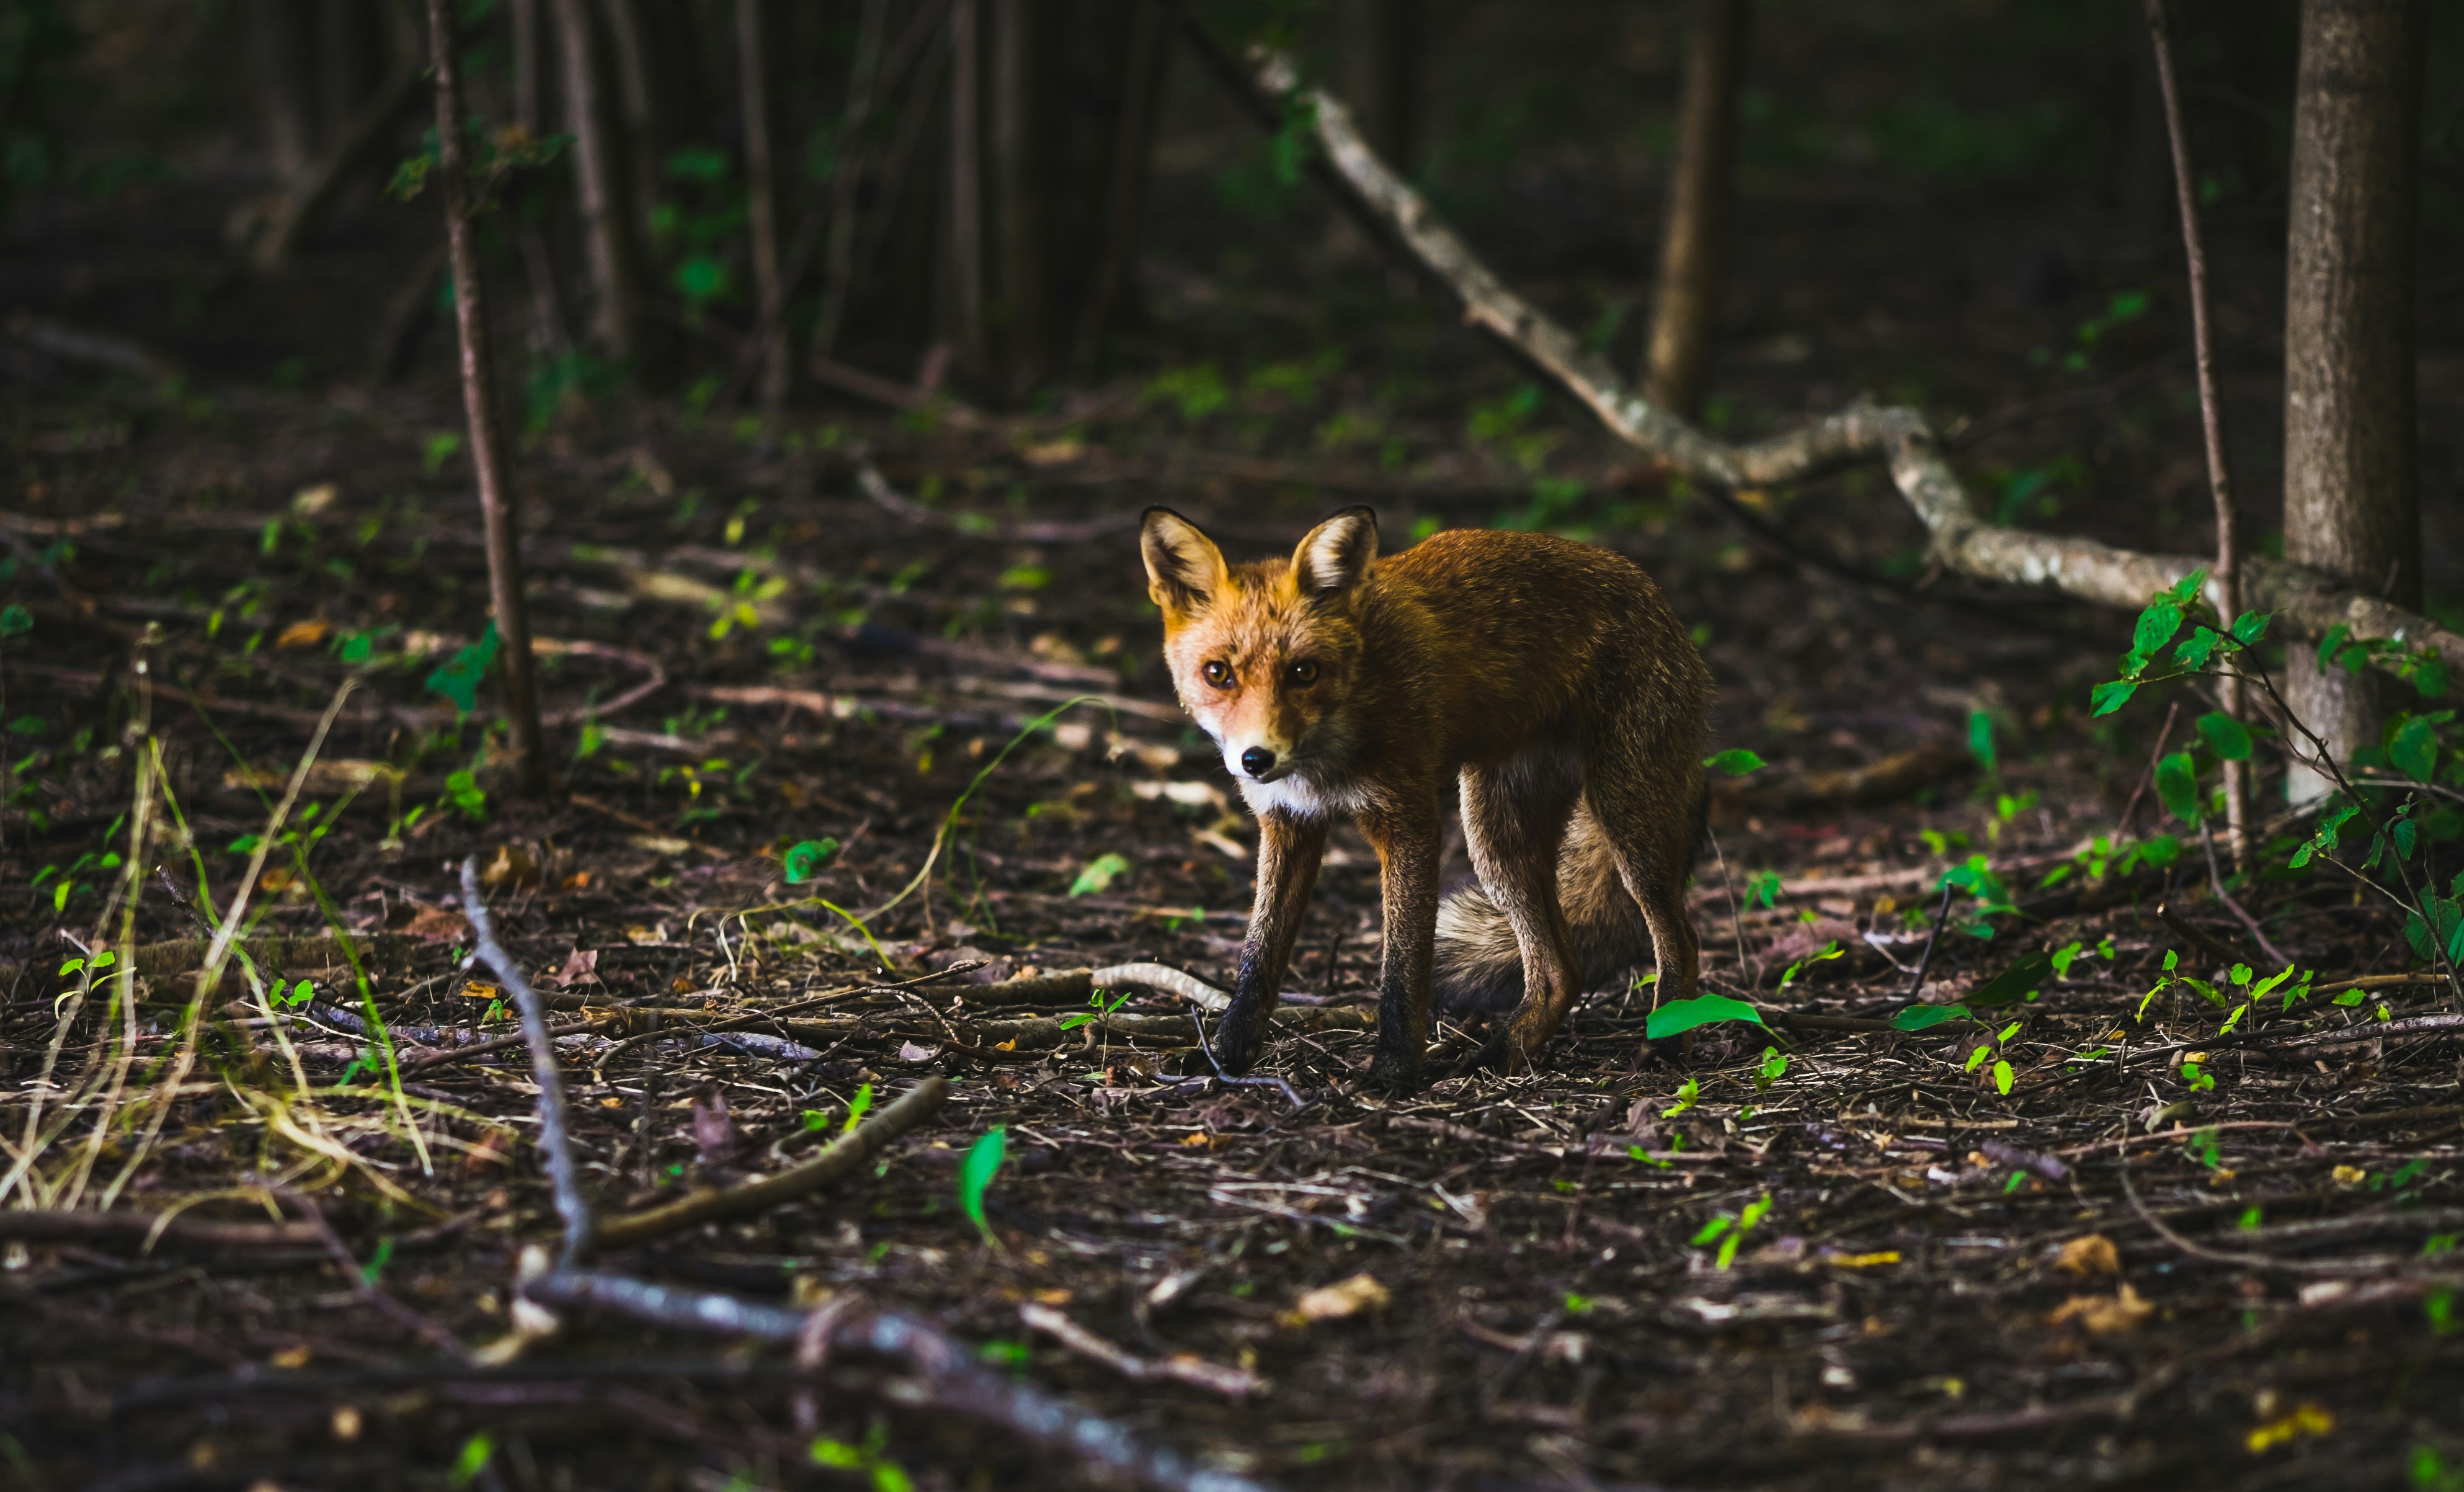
point(1265, 653)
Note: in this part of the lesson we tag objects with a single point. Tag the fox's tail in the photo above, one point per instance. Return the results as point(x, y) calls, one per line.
point(1479, 964)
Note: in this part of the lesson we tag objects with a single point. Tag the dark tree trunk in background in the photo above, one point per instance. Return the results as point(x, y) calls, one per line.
point(598, 187)
point(349, 61)
point(528, 111)
point(640, 67)
point(2351, 499)
point(1383, 59)
point(966, 220)
point(1694, 241)
point(1113, 291)
point(496, 497)
point(847, 180)
point(279, 37)
point(1022, 140)
point(761, 206)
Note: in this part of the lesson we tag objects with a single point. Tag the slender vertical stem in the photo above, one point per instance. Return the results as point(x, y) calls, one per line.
point(1144, 62)
point(966, 184)
point(762, 207)
point(846, 177)
point(2224, 582)
point(1686, 307)
point(497, 501)
point(598, 183)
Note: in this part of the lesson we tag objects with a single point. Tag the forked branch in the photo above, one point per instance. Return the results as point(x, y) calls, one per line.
point(1960, 539)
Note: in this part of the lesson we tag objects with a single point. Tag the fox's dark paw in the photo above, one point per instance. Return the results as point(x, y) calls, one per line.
point(1397, 1073)
point(1237, 1050)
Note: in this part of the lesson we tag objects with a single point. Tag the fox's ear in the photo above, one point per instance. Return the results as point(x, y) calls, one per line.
point(1337, 555)
point(1184, 570)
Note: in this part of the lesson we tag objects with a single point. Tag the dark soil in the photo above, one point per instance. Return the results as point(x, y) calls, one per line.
point(2164, 1257)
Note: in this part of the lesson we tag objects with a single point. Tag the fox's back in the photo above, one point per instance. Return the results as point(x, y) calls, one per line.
point(1509, 630)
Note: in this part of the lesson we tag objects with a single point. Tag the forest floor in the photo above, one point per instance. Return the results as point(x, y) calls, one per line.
point(2142, 1253)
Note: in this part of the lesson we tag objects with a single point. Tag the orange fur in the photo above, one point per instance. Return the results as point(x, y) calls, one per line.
point(1549, 679)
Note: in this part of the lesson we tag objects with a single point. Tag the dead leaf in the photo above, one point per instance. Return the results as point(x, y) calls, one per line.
point(488, 1153)
point(1344, 1298)
point(641, 936)
point(579, 881)
point(438, 924)
point(476, 990)
point(303, 635)
point(2350, 1175)
point(276, 879)
point(290, 1358)
point(714, 1131)
point(581, 967)
point(309, 502)
point(909, 1052)
point(2309, 1419)
point(2089, 1257)
point(511, 866)
point(1052, 453)
point(2103, 1315)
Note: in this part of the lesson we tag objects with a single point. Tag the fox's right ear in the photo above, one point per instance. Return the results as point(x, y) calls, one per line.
point(1184, 569)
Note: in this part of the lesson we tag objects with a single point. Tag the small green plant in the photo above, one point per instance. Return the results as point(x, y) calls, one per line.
point(1679, 1016)
point(1096, 1010)
point(1729, 1230)
point(864, 1460)
point(804, 859)
point(1099, 873)
point(975, 1173)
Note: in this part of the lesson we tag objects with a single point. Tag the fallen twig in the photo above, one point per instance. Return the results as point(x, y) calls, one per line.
point(1183, 1368)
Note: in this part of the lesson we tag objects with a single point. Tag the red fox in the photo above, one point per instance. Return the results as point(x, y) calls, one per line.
point(1549, 676)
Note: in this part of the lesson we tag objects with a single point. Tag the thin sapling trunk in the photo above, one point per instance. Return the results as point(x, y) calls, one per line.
point(761, 210)
point(496, 498)
point(2224, 581)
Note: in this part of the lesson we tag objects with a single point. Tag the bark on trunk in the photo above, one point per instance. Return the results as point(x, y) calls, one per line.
point(496, 497)
point(2351, 497)
point(847, 180)
point(1685, 309)
point(598, 187)
point(279, 35)
point(761, 207)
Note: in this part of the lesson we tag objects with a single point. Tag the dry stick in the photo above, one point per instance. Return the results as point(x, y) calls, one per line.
point(2147, 775)
point(498, 498)
point(945, 1372)
point(1942, 915)
point(2216, 884)
point(1961, 539)
point(364, 1285)
point(2224, 582)
point(761, 206)
point(1185, 1367)
point(847, 1154)
point(2197, 1250)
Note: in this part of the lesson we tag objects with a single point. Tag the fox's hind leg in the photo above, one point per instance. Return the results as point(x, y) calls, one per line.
point(1652, 816)
point(1514, 817)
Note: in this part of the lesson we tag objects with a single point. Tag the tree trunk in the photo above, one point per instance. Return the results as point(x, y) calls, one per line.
point(847, 180)
point(278, 36)
point(1694, 242)
point(528, 111)
point(496, 497)
point(966, 222)
point(761, 209)
point(599, 188)
point(1143, 67)
point(1021, 141)
point(638, 100)
point(1383, 51)
point(2351, 499)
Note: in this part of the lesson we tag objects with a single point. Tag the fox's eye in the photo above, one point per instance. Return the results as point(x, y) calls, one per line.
point(1301, 675)
point(1218, 673)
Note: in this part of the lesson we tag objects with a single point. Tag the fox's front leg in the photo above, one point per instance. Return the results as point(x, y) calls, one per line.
point(1288, 850)
point(1407, 857)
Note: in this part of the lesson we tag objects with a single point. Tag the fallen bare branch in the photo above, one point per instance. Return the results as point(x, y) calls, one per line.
point(1185, 1367)
point(851, 1152)
point(1959, 538)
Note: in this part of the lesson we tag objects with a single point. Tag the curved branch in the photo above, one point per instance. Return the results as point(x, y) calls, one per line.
point(1959, 538)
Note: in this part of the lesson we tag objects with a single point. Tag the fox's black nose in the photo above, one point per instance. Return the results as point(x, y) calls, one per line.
point(1257, 760)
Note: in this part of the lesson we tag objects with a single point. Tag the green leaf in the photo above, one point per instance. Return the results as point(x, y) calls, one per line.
point(2249, 627)
point(1980, 738)
point(2156, 628)
point(2177, 783)
point(16, 621)
point(2198, 648)
point(2002, 1078)
point(1099, 873)
point(2330, 644)
point(472, 1460)
point(2180, 592)
point(837, 1455)
point(2430, 678)
point(975, 1173)
point(1735, 762)
point(1925, 1017)
point(2110, 696)
point(1687, 1093)
point(2014, 983)
point(804, 859)
point(2225, 735)
point(458, 678)
point(2413, 750)
point(1711, 1231)
point(857, 1108)
point(1683, 1016)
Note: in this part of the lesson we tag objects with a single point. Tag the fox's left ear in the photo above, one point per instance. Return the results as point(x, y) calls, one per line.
point(1337, 554)
point(1185, 571)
